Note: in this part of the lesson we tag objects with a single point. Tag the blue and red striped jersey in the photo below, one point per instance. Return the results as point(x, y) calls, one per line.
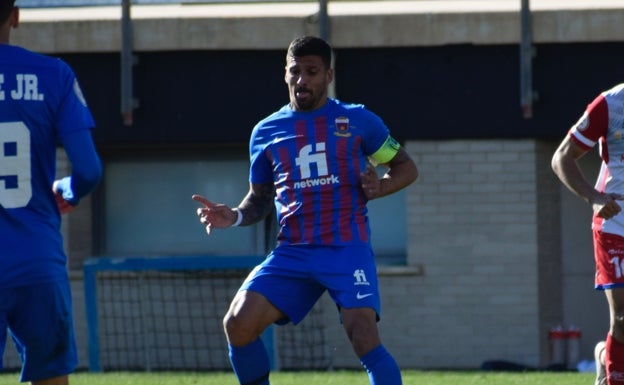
point(314, 160)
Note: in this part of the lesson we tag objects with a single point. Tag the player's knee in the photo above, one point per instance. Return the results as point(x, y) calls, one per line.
point(361, 347)
point(363, 341)
point(229, 325)
point(236, 331)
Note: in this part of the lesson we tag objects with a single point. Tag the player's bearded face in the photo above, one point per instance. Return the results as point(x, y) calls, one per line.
point(307, 79)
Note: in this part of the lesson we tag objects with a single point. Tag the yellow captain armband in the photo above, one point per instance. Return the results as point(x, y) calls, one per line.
point(386, 152)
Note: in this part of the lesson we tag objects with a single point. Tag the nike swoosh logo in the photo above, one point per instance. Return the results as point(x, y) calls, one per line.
point(362, 296)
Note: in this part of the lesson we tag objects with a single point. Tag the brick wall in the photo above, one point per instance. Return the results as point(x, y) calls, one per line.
point(472, 295)
point(472, 220)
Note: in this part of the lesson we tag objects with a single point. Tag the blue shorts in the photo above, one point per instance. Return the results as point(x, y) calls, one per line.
point(293, 278)
point(40, 321)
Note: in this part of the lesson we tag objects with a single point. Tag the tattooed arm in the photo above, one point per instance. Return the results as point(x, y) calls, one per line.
point(257, 204)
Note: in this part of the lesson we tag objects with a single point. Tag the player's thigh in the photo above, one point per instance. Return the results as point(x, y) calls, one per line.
point(609, 259)
point(284, 279)
point(250, 307)
point(615, 298)
point(42, 329)
point(350, 275)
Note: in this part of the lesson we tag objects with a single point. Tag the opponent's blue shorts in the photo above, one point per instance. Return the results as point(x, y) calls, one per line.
point(293, 278)
point(40, 321)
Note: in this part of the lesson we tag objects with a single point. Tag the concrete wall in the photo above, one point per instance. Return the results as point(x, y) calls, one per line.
point(352, 24)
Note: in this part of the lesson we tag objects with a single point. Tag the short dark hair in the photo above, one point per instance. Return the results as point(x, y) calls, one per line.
point(6, 6)
point(310, 45)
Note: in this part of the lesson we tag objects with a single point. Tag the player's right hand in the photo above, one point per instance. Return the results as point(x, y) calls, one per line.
point(214, 215)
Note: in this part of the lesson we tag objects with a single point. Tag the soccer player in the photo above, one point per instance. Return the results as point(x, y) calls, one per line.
point(40, 105)
point(311, 159)
point(602, 122)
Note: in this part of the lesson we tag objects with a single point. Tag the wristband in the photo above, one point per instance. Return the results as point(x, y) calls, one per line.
point(239, 218)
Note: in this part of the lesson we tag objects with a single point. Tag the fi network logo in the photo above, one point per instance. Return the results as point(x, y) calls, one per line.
point(360, 280)
point(360, 277)
point(314, 155)
point(307, 157)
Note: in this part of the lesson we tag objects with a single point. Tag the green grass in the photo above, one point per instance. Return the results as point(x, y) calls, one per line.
point(410, 377)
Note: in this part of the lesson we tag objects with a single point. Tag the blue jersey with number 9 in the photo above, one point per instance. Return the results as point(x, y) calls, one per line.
point(40, 104)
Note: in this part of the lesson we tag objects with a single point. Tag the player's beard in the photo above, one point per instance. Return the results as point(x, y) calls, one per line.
point(311, 100)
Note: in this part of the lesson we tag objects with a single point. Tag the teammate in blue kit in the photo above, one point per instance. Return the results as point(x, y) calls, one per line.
point(311, 160)
point(40, 105)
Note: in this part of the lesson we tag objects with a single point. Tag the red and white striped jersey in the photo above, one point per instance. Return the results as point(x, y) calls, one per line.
point(603, 123)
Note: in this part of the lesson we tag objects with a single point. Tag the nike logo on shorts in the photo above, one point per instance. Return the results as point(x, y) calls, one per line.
point(362, 296)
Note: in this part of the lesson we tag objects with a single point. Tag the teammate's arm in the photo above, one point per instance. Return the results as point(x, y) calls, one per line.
point(86, 168)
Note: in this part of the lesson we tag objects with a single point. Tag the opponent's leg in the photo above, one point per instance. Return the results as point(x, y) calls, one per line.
point(361, 327)
point(249, 315)
point(614, 347)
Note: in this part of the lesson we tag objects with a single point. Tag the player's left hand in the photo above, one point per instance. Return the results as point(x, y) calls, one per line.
point(370, 182)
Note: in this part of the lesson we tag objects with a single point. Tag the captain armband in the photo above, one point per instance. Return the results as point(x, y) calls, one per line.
point(386, 152)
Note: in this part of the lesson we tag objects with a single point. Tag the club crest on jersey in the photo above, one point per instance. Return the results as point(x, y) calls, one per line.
point(342, 126)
